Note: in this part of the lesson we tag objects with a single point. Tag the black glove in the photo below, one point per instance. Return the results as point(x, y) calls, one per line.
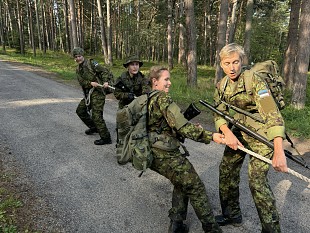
point(131, 96)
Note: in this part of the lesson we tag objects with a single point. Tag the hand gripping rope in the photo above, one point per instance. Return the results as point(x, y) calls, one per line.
point(258, 156)
point(87, 100)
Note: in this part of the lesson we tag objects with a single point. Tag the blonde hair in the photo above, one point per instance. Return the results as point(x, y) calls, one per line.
point(229, 49)
point(155, 72)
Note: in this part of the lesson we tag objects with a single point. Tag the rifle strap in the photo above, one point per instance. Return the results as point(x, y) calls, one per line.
point(248, 80)
point(292, 144)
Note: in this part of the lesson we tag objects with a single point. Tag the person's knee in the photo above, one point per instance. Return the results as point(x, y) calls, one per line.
point(97, 114)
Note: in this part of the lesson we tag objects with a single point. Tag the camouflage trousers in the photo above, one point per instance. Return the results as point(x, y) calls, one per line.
point(257, 172)
point(187, 187)
point(96, 119)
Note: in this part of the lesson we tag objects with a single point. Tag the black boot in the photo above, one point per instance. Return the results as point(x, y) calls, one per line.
point(103, 141)
point(223, 221)
point(178, 227)
point(211, 228)
point(91, 131)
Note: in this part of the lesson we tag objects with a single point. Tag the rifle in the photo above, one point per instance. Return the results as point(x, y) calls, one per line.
point(122, 86)
point(259, 119)
point(191, 112)
point(253, 134)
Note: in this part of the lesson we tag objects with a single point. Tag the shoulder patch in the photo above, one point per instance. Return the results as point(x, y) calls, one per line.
point(95, 63)
point(263, 93)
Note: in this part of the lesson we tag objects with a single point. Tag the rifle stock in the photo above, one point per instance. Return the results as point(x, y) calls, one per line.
point(253, 134)
point(191, 112)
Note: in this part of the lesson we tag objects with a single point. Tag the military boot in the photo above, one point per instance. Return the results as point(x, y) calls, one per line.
point(178, 227)
point(211, 228)
point(223, 221)
point(91, 131)
point(103, 141)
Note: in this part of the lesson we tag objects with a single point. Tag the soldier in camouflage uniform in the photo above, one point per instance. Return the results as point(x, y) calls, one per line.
point(165, 119)
point(129, 85)
point(262, 104)
point(134, 83)
point(90, 109)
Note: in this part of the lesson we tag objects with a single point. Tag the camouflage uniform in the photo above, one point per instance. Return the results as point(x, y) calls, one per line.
point(165, 119)
point(260, 103)
point(136, 85)
point(86, 73)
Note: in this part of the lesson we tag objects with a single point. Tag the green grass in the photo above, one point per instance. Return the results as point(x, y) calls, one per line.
point(8, 207)
point(63, 66)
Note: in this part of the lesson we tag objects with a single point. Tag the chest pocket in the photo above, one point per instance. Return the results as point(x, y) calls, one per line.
point(235, 94)
point(242, 100)
point(87, 74)
point(137, 86)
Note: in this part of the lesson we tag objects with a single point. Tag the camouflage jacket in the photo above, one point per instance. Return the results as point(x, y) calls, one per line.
point(138, 85)
point(260, 103)
point(90, 71)
point(165, 117)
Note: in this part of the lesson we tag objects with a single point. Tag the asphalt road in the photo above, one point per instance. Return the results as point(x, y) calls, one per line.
point(85, 186)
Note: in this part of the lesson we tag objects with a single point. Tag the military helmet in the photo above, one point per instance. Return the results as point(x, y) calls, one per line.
point(132, 59)
point(77, 51)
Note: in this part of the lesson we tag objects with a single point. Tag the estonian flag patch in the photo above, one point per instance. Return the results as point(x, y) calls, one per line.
point(263, 93)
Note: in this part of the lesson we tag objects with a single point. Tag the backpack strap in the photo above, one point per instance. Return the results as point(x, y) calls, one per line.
point(149, 95)
point(248, 81)
point(221, 86)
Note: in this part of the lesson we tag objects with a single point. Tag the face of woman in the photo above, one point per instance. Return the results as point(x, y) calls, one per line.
point(133, 67)
point(163, 83)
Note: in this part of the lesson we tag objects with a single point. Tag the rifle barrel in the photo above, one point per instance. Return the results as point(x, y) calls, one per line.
point(253, 134)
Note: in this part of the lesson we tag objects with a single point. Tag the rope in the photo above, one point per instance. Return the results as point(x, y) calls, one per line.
point(294, 173)
point(87, 99)
point(113, 88)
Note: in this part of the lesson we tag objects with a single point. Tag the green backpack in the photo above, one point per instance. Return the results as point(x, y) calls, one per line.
point(268, 71)
point(133, 138)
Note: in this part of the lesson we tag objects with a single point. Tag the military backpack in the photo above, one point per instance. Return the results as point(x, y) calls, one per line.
point(269, 72)
point(133, 138)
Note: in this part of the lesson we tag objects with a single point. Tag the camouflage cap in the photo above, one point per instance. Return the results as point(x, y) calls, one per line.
point(77, 51)
point(132, 59)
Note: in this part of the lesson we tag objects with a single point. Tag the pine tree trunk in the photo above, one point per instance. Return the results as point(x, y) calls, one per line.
point(248, 31)
point(191, 43)
point(292, 39)
point(103, 33)
point(302, 59)
point(20, 28)
point(109, 33)
point(170, 36)
point(221, 38)
point(29, 6)
point(182, 31)
point(233, 20)
point(74, 34)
